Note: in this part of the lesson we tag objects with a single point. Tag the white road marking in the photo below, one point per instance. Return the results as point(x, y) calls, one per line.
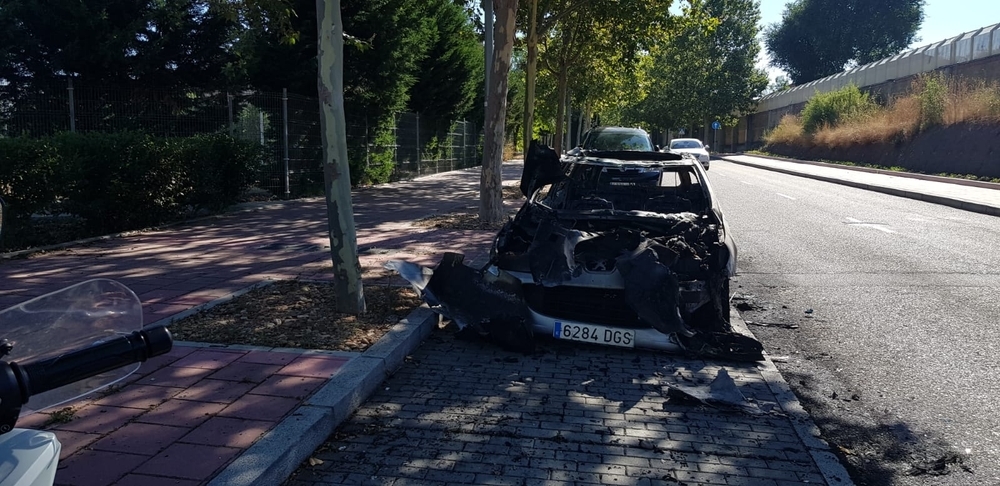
point(784, 196)
point(876, 226)
point(747, 183)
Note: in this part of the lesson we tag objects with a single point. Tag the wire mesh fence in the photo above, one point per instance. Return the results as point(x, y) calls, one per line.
point(286, 125)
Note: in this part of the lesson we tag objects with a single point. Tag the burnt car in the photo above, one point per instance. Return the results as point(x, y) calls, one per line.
point(620, 248)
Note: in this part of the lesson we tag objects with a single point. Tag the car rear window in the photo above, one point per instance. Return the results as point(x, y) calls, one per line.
point(612, 141)
point(685, 144)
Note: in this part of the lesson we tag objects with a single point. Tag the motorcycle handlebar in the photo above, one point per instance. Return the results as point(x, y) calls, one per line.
point(22, 380)
point(42, 376)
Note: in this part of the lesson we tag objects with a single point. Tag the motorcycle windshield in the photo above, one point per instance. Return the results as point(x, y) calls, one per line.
point(68, 320)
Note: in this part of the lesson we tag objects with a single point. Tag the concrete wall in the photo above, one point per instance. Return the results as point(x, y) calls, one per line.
point(972, 55)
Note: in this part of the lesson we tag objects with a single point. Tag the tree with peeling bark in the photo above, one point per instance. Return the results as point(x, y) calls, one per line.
point(490, 185)
point(336, 171)
point(610, 31)
point(540, 16)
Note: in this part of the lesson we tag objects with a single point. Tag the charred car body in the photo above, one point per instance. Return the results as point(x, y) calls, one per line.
point(615, 248)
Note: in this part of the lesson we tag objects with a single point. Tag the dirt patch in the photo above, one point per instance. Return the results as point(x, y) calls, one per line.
point(296, 314)
point(513, 193)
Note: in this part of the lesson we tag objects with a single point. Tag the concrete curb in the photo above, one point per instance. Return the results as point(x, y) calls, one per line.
point(944, 201)
point(273, 458)
point(829, 465)
point(908, 175)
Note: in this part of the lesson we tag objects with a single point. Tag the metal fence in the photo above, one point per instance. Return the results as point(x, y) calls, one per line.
point(286, 125)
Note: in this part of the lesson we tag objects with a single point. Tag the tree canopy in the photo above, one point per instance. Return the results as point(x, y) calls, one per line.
point(817, 38)
point(705, 68)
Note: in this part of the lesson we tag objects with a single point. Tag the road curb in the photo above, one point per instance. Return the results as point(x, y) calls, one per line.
point(273, 458)
point(944, 201)
point(829, 465)
point(908, 175)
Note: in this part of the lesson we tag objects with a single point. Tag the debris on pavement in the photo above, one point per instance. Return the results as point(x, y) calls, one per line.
point(721, 393)
point(939, 466)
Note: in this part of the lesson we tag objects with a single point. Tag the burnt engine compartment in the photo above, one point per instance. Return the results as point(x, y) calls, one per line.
point(672, 266)
point(645, 234)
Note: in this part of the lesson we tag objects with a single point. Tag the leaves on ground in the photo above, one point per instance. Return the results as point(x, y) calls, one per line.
point(468, 218)
point(298, 314)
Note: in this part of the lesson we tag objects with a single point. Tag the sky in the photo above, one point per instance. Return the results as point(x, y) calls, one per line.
point(943, 19)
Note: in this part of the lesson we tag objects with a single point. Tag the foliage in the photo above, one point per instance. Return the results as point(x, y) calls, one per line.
point(931, 92)
point(27, 178)
point(706, 68)
point(817, 38)
point(780, 83)
point(830, 108)
point(218, 168)
point(450, 78)
point(158, 46)
point(933, 98)
point(147, 181)
point(609, 34)
point(788, 131)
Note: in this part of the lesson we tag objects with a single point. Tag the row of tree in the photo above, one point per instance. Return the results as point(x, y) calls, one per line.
point(634, 62)
point(406, 55)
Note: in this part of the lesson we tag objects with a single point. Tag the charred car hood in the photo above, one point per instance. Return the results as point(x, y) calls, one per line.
point(606, 229)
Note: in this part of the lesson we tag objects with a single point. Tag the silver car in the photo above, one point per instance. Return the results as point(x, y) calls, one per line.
point(691, 146)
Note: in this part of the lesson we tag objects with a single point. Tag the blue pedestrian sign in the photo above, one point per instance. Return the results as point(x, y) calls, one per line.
point(716, 125)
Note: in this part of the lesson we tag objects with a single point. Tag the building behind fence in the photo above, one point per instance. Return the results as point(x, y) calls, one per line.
point(285, 124)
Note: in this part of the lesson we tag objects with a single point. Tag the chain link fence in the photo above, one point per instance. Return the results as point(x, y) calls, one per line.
point(286, 125)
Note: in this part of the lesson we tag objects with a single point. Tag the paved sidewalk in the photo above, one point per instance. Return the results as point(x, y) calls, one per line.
point(575, 415)
point(977, 197)
point(571, 414)
point(207, 406)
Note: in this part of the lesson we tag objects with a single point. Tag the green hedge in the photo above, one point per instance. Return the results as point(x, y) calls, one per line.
point(122, 181)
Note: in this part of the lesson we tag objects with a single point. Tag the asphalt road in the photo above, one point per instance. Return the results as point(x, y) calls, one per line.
point(897, 360)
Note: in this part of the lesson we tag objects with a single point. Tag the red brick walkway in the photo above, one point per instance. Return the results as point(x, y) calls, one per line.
point(183, 416)
point(186, 415)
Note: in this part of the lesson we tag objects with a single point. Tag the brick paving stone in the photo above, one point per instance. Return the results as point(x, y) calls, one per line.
point(216, 391)
point(188, 461)
point(139, 396)
point(245, 372)
point(260, 407)
point(72, 441)
point(96, 468)
point(145, 480)
point(517, 419)
point(174, 376)
point(140, 438)
point(181, 413)
point(208, 359)
point(229, 432)
point(314, 366)
point(298, 387)
point(97, 419)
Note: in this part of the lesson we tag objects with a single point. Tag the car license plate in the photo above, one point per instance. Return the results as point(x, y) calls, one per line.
point(590, 333)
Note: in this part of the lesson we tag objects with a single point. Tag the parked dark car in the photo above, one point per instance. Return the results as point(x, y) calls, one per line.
point(616, 139)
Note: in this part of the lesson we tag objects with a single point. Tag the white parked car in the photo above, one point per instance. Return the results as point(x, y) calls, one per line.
point(691, 146)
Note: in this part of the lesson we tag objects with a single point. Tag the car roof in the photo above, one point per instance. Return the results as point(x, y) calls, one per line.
point(685, 140)
point(647, 163)
point(618, 130)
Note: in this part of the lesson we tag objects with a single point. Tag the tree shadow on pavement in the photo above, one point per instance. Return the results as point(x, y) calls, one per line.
point(464, 412)
point(879, 451)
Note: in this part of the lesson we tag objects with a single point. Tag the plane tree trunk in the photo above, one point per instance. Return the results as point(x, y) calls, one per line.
point(336, 171)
